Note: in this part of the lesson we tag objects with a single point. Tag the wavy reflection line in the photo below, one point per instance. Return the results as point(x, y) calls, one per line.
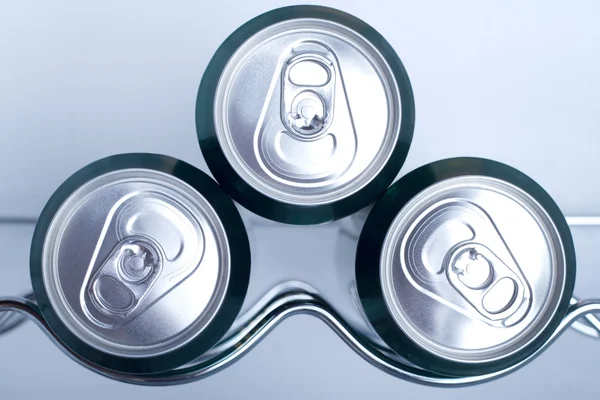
point(282, 306)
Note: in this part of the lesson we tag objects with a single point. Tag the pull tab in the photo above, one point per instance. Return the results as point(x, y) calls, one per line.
point(153, 244)
point(305, 135)
point(308, 94)
point(125, 277)
point(496, 291)
point(456, 255)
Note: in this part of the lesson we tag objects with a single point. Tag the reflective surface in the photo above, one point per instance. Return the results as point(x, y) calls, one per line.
point(472, 269)
point(281, 306)
point(265, 310)
point(307, 111)
point(136, 263)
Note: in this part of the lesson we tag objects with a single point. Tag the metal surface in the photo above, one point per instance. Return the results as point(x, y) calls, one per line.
point(286, 304)
point(307, 111)
point(589, 325)
point(349, 230)
point(282, 301)
point(472, 269)
point(136, 263)
point(286, 300)
point(10, 320)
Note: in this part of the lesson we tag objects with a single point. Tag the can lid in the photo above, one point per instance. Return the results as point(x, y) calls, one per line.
point(308, 107)
point(474, 269)
point(137, 263)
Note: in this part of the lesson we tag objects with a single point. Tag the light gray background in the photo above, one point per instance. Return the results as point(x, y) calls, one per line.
point(513, 81)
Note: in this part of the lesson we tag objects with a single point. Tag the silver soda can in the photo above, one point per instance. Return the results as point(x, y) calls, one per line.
point(140, 263)
point(465, 266)
point(305, 114)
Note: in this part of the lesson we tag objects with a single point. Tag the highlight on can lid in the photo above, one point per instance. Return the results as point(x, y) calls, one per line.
point(305, 114)
point(140, 263)
point(465, 266)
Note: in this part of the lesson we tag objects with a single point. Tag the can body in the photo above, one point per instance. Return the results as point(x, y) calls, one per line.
point(305, 115)
point(465, 266)
point(140, 263)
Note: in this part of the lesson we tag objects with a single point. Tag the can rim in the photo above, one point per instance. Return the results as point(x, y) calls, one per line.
point(251, 198)
point(375, 231)
point(235, 291)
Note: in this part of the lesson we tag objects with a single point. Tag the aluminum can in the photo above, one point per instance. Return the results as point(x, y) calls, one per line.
point(139, 263)
point(305, 114)
point(465, 266)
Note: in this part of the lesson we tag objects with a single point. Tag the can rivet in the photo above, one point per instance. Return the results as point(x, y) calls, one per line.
point(473, 269)
point(308, 114)
point(137, 263)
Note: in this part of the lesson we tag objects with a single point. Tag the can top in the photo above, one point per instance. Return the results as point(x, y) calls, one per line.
point(483, 258)
point(308, 108)
point(473, 270)
point(136, 263)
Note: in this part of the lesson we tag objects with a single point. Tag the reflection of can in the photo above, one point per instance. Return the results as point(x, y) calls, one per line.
point(465, 266)
point(140, 263)
point(305, 114)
